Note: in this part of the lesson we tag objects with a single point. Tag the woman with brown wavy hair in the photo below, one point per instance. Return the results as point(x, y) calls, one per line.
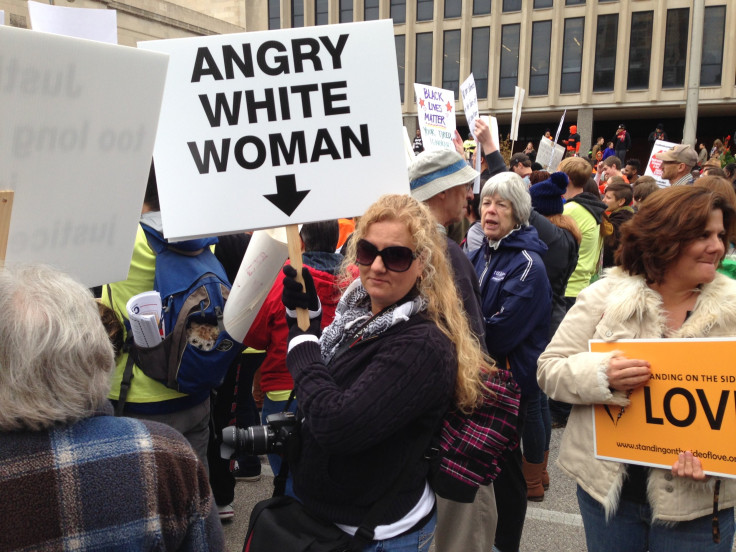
point(666, 286)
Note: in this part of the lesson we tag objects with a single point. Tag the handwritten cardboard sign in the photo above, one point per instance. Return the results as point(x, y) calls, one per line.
point(267, 129)
point(689, 404)
point(78, 123)
point(436, 113)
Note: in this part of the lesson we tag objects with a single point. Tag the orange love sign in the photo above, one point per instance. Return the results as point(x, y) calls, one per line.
point(688, 404)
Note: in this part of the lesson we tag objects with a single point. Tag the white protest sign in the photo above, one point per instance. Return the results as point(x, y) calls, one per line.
point(559, 127)
point(436, 113)
point(654, 166)
point(516, 112)
point(408, 148)
point(549, 154)
point(78, 126)
point(274, 128)
point(492, 123)
point(470, 105)
point(92, 24)
point(470, 102)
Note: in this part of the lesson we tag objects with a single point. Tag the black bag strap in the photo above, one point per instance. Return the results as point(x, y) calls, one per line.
point(128, 371)
point(125, 385)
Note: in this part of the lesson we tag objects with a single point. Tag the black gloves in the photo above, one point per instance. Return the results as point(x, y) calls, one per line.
point(293, 298)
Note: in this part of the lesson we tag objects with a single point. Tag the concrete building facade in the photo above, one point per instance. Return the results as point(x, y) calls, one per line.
point(604, 61)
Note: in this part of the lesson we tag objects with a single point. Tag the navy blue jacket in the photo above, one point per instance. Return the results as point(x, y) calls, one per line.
point(516, 300)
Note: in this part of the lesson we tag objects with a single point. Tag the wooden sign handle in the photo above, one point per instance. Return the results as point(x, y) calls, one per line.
point(6, 208)
point(294, 242)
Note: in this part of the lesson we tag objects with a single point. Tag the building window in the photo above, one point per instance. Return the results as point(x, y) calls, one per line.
point(574, 2)
point(297, 13)
point(604, 74)
point(346, 11)
point(640, 50)
point(539, 68)
point(712, 58)
point(509, 72)
point(274, 14)
point(370, 10)
point(425, 10)
point(451, 61)
point(398, 11)
point(401, 61)
point(538, 4)
point(453, 8)
point(481, 7)
point(479, 60)
point(424, 59)
point(511, 5)
point(320, 12)
point(675, 48)
point(572, 55)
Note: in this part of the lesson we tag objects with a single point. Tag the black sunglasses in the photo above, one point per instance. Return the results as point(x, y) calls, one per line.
point(395, 258)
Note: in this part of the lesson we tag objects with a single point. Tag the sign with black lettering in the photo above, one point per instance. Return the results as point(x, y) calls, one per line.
point(77, 126)
point(688, 404)
point(272, 128)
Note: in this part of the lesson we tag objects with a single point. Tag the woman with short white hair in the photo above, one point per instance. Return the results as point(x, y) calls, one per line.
point(516, 301)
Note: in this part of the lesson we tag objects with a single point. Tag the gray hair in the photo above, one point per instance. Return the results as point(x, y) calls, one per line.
point(55, 357)
point(509, 186)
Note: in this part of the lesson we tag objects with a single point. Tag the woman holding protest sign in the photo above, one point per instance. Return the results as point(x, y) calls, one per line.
point(373, 388)
point(665, 287)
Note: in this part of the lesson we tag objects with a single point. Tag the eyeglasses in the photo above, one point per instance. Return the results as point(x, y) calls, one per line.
point(396, 258)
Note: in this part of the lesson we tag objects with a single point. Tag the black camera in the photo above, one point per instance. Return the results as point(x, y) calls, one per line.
point(270, 438)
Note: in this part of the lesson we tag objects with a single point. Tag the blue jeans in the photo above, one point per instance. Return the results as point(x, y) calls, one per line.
point(416, 541)
point(274, 460)
point(537, 429)
point(631, 529)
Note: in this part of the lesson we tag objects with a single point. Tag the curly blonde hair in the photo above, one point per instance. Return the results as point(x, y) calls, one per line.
point(436, 285)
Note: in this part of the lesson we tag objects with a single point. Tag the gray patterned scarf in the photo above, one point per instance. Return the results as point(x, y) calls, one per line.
point(354, 320)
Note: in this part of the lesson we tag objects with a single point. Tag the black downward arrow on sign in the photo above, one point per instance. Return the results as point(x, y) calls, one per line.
point(286, 197)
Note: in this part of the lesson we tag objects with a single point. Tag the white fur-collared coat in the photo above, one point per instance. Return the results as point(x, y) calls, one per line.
point(623, 307)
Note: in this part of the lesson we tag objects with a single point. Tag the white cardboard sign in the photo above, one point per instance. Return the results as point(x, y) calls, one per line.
point(266, 129)
point(654, 166)
point(78, 126)
point(549, 154)
point(89, 23)
point(436, 112)
point(516, 112)
point(470, 102)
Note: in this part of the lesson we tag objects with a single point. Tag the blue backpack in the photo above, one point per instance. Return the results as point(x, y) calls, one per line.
point(193, 288)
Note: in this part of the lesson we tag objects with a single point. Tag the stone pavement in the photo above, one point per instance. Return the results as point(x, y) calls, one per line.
point(553, 525)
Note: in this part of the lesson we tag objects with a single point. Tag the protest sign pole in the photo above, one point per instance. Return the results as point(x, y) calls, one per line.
point(6, 208)
point(295, 257)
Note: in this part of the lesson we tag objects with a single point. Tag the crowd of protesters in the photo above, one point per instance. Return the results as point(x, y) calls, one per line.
point(403, 321)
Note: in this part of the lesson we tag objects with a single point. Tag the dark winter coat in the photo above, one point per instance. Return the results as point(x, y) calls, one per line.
point(516, 300)
point(559, 262)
